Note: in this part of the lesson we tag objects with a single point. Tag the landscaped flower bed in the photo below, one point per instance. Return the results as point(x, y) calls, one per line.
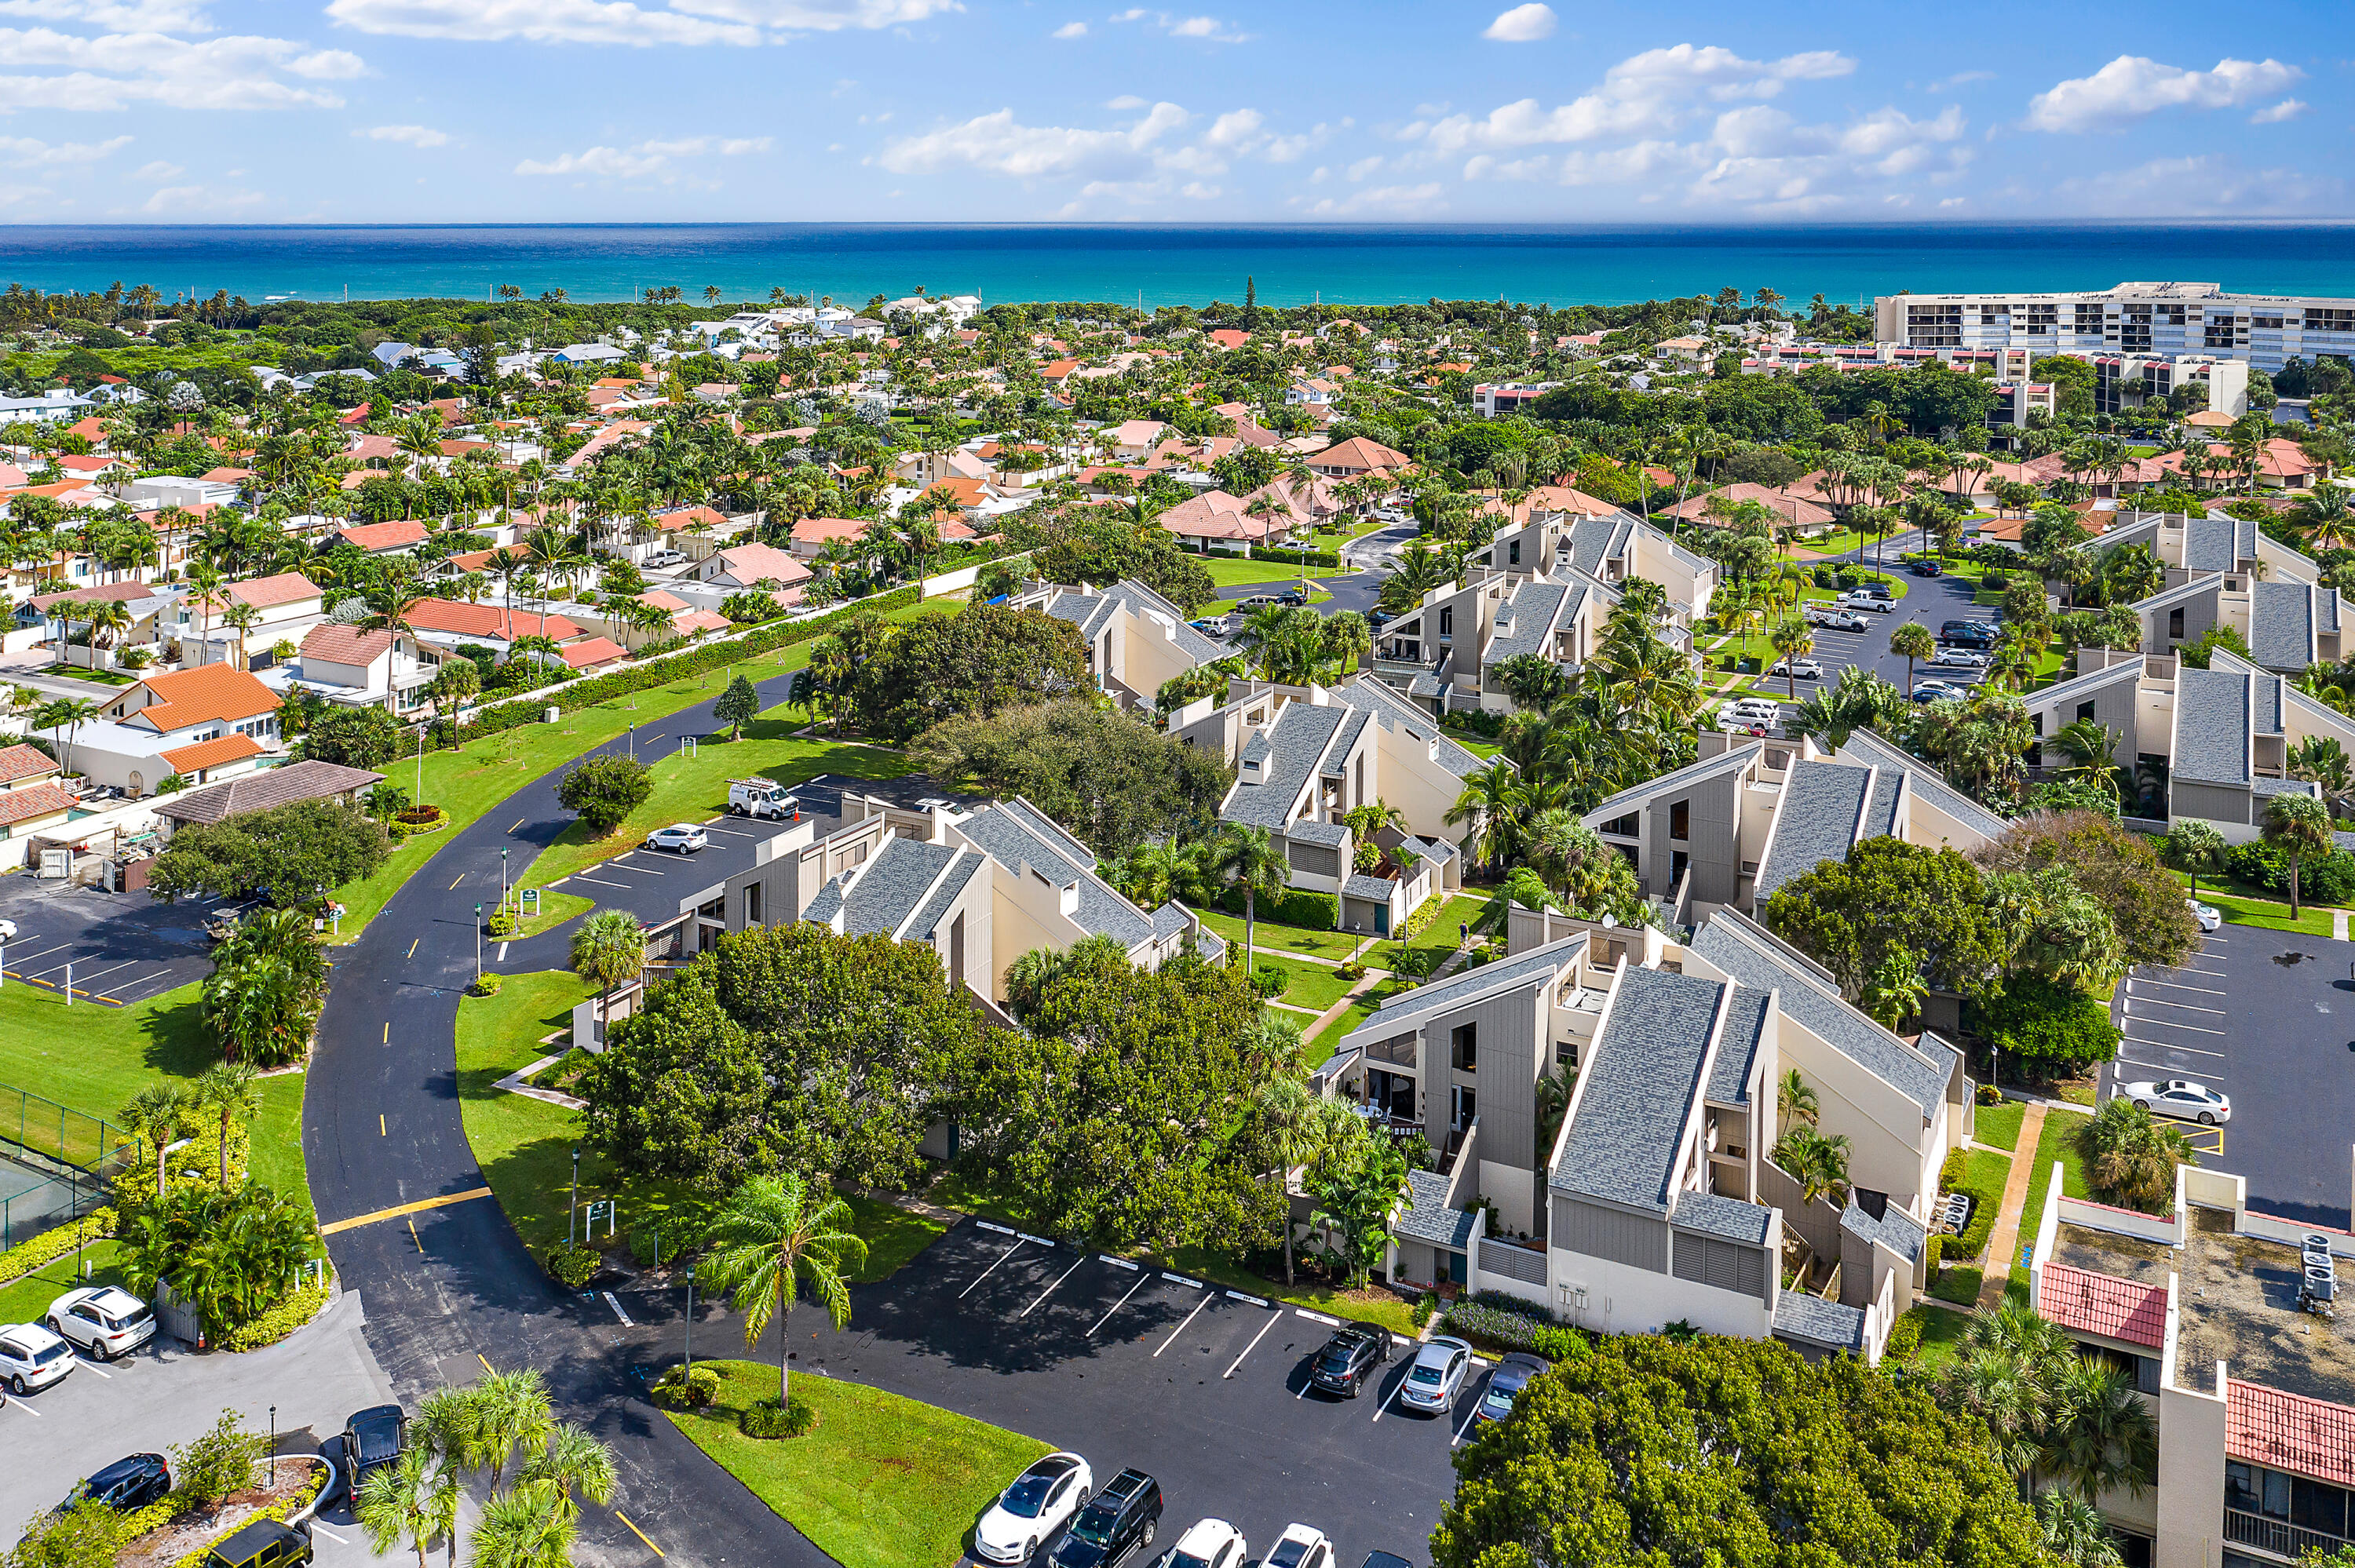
point(415, 819)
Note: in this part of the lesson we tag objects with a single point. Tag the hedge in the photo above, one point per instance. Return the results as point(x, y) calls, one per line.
point(1905, 1338)
point(1292, 906)
point(55, 1243)
point(1497, 1320)
point(299, 1308)
point(2321, 879)
point(1298, 557)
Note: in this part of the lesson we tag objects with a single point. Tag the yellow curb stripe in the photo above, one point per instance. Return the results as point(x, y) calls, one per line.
point(639, 1533)
point(393, 1214)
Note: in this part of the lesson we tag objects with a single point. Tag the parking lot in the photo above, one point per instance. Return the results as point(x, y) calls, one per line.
point(1205, 1388)
point(122, 946)
point(2268, 1017)
point(1930, 600)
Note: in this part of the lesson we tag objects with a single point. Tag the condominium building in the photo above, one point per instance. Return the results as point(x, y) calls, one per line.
point(2143, 318)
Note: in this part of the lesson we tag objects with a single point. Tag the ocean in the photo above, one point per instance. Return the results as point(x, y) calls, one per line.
point(1169, 265)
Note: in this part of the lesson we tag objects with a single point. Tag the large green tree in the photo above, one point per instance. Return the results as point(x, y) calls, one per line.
point(286, 854)
point(2120, 870)
point(1849, 915)
point(355, 737)
point(977, 662)
point(1649, 1451)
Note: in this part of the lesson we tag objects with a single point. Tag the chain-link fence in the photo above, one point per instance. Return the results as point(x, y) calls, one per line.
point(56, 1162)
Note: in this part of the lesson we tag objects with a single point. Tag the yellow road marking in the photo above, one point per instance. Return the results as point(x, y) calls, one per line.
point(456, 880)
point(387, 1030)
point(518, 822)
point(486, 1362)
point(380, 1126)
point(639, 1533)
point(397, 1211)
point(413, 946)
point(415, 1237)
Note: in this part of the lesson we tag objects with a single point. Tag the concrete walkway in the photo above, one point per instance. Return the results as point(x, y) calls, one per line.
point(2004, 1240)
point(1365, 983)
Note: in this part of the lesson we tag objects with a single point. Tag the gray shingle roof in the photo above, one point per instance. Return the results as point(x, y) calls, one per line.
point(1898, 1231)
point(1737, 1048)
point(2265, 789)
point(2181, 593)
point(1288, 752)
point(1089, 612)
point(1881, 817)
point(2280, 625)
point(1329, 835)
point(1745, 952)
point(959, 876)
point(1821, 809)
point(2211, 727)
point(1377, 888)
point(1394, 712)
point(1922, 782)
point(885, 892)
point(1429, 1218)
point(1736, 757)
point(1728, 1217)
point(824, 902)
point(310, 781)
point(2217, 544)
point(1469, 985)
point(1822, 1323)
point(1524, 622)
point(1635, 1090)
point(1335, 762)
point(1013, 834)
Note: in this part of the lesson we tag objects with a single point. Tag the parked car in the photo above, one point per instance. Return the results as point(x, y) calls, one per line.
point(1384, 1559)
point(1040, 1501)
point(1958, 658)
point(264, 1544)
point(1210, 626)
point(1301, 1546)
point(1377, 617)
point(31, 1357)
point(758, 798)
point(1804, 668)
point(1838, 617)
point(1209, 1544)
point(372, 1438)
point(106, 1321)
point(1968, 633)
point(1123, 1518)
point(130, 1482)
point(1437, 1375)
point(664, 558)
point(1292, 597)
point(2208, 914)
point(7, 930)
point(1766, 709)
point(1351, 1359)
point(1873, 597)
point(1504, 1384)
point(2186, 1098)
point(1257, 601)
point(1937, 690)
point(1926, 568)
point(679, 838)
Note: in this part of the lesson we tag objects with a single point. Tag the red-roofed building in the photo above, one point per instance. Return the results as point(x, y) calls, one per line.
point(381, 538)
point(748, 565)
point(1226, 337)
point(2112, 1309)
point(447, 622)
point(812, 535)
point(593, 651)
point(2285, 1431)
point(346, 666)
point(1356, 456)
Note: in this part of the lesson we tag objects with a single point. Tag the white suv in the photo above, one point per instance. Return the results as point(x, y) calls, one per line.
point(1209, 1544)
point(105, 1322)
point(31, 1357)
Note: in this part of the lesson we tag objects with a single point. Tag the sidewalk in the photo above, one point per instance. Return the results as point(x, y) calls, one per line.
point(2004, 1240)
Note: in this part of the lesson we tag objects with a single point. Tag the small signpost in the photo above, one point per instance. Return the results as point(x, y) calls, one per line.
point(600, 1209)
point(530, 901)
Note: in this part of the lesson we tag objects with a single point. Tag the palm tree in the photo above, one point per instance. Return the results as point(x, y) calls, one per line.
point(2130, 1157)
point(1286, 1112)
point(527, 1527)
point(153, 1114)
point(2192, 846)
point(1911, 642)
point(1793, 641)
point(228, 1089)
point(1486, 806)
point(510, 1411)
point(240, 618)
point(2074, 1530)
point(1820, 1164)
point(609, 949)
point(1795, 1101)
point(2089, 748)
point(2321, 760)
point(2100, 1434)
point(572, 1460)
point(414, 1498)
point(1249, 859)
point(2300, 827)
point(773, 1237)
point(65, 715)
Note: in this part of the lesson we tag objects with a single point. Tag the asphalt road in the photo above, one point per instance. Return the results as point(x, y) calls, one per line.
point(451, 1289)
point(124, 946)
point(2269, 1018)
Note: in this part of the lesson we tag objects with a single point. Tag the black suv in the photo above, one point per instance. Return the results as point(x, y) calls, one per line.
point(1350, 1358)
point(371, 1437)
point(1968, 633)
point(131, 1482)
point(1926, 569)
point(1120, 1519)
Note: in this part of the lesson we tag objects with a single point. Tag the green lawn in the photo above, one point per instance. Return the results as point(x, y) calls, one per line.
point(28, 1298)
point(555, 908)
point(1373, 1306)
point(1445, 929)
point(467, 782)
point(1941, 1331)
point(2242, 904)
point(1483, 749)
point(1232, 571)
point(1984, 1175)
point(1998, 1125)
point(2059, 1141)
point(101, 677)
point(1271, 937)
point(694, 788)
point(1312, 986)
point(1322, 1045)
point(880, 1481)
point(893, 1234)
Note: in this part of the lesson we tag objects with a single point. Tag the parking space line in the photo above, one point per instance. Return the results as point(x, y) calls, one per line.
point(518, 822)
point(1395, 1389)
point(1050, 1289)
point(639, 1533)
point(1143, 1280)
point(1316, 1317)
point(2172, 1023)
point(90, 1365)
point(2203, 989)
point(2162, 1001)
point(1180, 1328)
point(2171, 1045)
point(1272, 1320)
point(601, 882)
point(43, 952)
point(112, 968)
point(1468, 1420)
point(985, 1273)
point(322, 1530)
point(456, 880)
point(614, 1302)
point(26, 1406)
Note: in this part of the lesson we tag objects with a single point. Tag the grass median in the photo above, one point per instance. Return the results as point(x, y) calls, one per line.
point(880, 1482)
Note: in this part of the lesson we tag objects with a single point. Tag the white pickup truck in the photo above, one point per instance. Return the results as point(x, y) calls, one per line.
point(761, 797)
point(1840, 617)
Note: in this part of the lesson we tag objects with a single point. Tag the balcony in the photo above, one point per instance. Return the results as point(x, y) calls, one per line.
point(2276, 1536)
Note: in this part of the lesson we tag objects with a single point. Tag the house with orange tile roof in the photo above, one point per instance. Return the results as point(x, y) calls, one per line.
point(445, 623)
point(813, 534)
point(748, 565)
point(1789, 509)
point(1215, 520)
point(381, 538)
point(1355, 457)
point(1226, 338)
point(607, 620)
point(373, 669)
point(199, 724)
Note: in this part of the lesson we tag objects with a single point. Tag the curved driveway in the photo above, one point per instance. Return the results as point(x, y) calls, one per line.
point(449, 1290)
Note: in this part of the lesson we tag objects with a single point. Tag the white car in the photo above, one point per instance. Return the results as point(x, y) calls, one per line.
point(1804, 668)
point(2208, 914)
point(1865, 599)
point(1209, 1544)
point(1041, 1500)
point(1301, 1546)
point(105, 1322)
point(31, 1357)
point(1937, 690)
point(1840, 618)
point(1957, 659)
point(7, 930)
point(680, 838)
point(2181, 1097)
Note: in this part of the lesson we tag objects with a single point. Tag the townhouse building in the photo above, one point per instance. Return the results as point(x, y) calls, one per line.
point(34, 801)
point(2221, 571)
point(1137, 639)
point(351, 668)
point(2134, 318)
point(203, 724)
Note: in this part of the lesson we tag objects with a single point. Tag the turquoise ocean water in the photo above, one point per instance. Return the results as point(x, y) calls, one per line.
point(1159, 265)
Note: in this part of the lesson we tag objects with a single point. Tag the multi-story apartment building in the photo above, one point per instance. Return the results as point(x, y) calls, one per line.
point(2122, 381)
point(2141, 318)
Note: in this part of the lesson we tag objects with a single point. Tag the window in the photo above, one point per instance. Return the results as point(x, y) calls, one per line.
point(1680, 819)
point(1513, 553)
point(1464, 1047)
point(751, 905)
point(2085, 710)
point(1628, 827)
point(1447, 621)
point(2175, 622)
point(1463, 1106)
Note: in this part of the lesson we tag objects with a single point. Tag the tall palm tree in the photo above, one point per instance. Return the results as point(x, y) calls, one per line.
point(154, 1114)
point(2100, 1433)
point(1249, 860)
point(774, 1237)
point(1911, 642)
point(414, 1498)
point(64, 716)
point(609, 949)
point(526, 1528)
point(1793, 641)
point(510, 1411)
point(227, 1089)
point(1486, 806)
point(1795, 1101)
point(240, 618)
point(2090, 749)
point(572, 1460)
point(1286, 1116)
point(2300, 827)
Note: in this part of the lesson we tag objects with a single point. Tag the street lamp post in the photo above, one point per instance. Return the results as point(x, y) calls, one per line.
point(273, 1445)
point(690, 1323)
point(478, 944)
point(575, 1205)
point(503, 879)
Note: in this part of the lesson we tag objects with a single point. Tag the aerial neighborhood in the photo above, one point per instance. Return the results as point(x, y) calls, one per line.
point(913, 931)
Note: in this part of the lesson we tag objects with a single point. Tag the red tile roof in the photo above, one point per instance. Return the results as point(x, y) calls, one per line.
point(2098, 1304)
point(204, 694)
point(2281, 1431)
point(488, 621)
point(592, 651)
point(210, 753)
point(346, 645)
point(35, 800)
point(20, 762)
point(383, 535)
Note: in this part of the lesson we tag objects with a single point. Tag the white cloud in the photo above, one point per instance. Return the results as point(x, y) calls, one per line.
point(1655, 90)
point(1208, 29)
point(1364, 166)
point(113, 70)
point(23, 153)
point(1124, 101)
point(2130, 87)
point(686, 22)
point(157, 171)
point(1522, 25)
point(1070, 30)
point(1961, 79)
point(116, 15)
point(1000, 145)
point(412, 135)
point(645, 159)
point(1424, 197)
point(2207, 185)
point(2274, 114)
point(199, 200)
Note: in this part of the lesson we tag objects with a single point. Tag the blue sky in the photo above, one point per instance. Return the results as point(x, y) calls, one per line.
point(486, 111)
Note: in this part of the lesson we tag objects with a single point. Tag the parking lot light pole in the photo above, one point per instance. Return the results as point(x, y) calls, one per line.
point(690, 1323)
point(478, 945)
point(273, 1445)
point(570, 1208)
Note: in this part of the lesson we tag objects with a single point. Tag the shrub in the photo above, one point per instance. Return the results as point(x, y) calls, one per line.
point(1950, 1175)
point(679, 1389)
point(1511, 1328)
point(1425, 1306)
point(769, 1419)
point(1556, 1343)
point(2325, 879)
point(1905, 1339)
point(486, 984)
point(573, 1264)
point(1352, 970)
point(86, 1535)
point(1477, 722)
point(1317, 911)
point(220, 1462)
point(2057, 1030)
point(603, 791)
point(54, 1244)
point(502, 923)
point(1989, 1094)
point(275, 1323)
point(1271, 980)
